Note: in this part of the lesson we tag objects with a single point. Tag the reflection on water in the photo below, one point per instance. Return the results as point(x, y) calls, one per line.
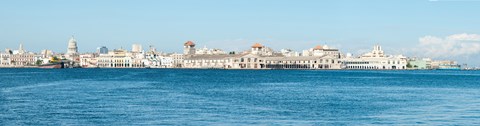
point(238, 97)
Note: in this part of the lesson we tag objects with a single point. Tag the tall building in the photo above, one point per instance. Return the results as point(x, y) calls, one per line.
point(72, 46)
point(102, 50)
point(137, 48)
point(189, 48)
point(20, 49)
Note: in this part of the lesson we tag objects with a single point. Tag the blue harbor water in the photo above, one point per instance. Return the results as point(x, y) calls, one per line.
point(238, 97)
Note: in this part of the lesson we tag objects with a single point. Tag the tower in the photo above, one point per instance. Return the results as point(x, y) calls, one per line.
point(377, 51)
point(20, 49)
point(72, 46)
point(189, 48)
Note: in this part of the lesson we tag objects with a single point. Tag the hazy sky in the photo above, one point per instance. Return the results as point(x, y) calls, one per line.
point(441, 29)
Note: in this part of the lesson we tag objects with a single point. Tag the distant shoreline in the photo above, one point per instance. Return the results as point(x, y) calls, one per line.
point(36, 67)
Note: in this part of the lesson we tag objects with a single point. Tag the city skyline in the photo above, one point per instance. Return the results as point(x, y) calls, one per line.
point(414, 28)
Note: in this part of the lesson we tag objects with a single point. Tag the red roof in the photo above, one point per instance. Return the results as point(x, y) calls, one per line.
point(257, 45)
point(189, 43)
point(318, 47)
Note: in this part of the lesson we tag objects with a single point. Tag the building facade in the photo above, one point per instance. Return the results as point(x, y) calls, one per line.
point(376, 59)
point(261, 57)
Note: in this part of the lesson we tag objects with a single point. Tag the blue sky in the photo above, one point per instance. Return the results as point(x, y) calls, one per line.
point(350, 25)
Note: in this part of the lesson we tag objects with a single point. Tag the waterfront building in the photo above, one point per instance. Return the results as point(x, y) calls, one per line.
point(376, 59)
point(166, 62)
point(17, 58)
point(177, 60)
point(303, 62)
point(446, 64)
point(208, 61)
point(117, 58)
point(22, 59)
point(252, 60)
point(157, 60)
point(414, 63)
point(4, 59)
point(261, 57)
point(88, 60)
point(121, 58)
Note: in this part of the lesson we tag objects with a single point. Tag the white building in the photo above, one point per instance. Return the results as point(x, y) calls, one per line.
point(177, 60)
point(376, 59)
point(137, 48)
point(206, 51)
point(156, 60)
point(321, 50)
point(88, 61)
point(17, 58)
point(261, 57)
point(289, 53)
point(259, 49)
point(5, 59)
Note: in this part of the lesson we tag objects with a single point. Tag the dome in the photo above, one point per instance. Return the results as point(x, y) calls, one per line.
point(318, 47)
point(72, 46)
point(189, 43)
point(72, 40)
point(72, 43)
point(257, 45)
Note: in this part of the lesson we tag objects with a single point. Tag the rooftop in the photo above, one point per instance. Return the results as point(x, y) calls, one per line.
point(257, 45)
point(189, 43)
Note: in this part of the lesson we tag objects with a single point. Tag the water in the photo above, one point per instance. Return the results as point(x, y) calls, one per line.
point(237, 97)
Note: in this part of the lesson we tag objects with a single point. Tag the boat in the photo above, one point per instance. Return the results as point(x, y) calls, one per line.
point(449, 67)
point(52, 66)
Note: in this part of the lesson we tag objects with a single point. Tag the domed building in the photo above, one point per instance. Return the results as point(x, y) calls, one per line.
point(72, 46)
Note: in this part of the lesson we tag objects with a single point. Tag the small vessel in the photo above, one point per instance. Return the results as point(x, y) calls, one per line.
point(449, 67)
point(52, 65)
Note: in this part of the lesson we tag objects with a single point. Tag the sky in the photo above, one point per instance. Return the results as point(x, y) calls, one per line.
point(440, 29)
